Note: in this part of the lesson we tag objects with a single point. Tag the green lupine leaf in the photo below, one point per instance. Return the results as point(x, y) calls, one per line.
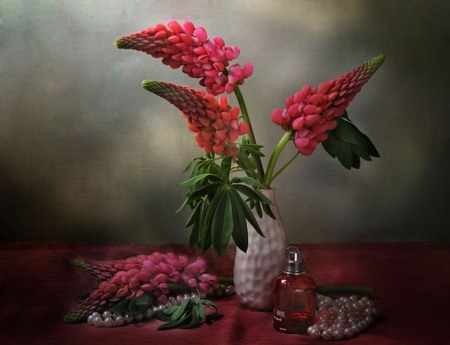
point(170, 310)
point(193, 216)
point(361, 150)
point(356, 162)
point(349, 144)
point(192, 181)
point(180, 310)
point(247, 213)
point(251, 149)
point(173, 324)
point(143, 302)
point(189, 165)
point(369, 145)
point(248, 180)
point(161, 315)
point(120, 307)
point(196, 235)
point(207, 220)
point(254, 194)
point(345, 154)
point(132, 310)
point(226, 166)
point(345, 131)
point(268, 210)
point(198, 194)
point(240, 232)
point(201, 310)
point(222, 223)
point(258, 209)
point(194, 318)
point(331, 144)
point(256, 198)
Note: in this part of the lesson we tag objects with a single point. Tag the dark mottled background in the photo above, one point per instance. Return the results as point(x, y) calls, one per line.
point(87, 155)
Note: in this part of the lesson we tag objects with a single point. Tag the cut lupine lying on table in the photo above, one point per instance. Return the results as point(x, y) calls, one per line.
point(136, 276)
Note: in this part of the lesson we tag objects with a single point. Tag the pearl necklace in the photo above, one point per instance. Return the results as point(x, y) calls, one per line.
point(108, 319)
point(341, 318)
point(336, 319)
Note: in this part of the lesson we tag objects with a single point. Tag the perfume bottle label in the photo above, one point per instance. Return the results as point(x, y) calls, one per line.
point(279, 315)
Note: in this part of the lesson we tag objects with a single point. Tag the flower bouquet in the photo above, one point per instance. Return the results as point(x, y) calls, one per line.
point(225, 183)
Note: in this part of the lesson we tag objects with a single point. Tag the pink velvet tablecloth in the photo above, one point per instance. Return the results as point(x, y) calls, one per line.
point(39, 284)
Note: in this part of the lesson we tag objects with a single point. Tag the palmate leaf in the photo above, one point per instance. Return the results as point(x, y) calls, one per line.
point(193, 180)
point(349, 144)
point(133, 306)
point(187, 315)
point(256, 200)
point(218, 210)
point(247, 212)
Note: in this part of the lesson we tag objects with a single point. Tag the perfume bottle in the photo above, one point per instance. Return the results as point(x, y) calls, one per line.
point(294, 296)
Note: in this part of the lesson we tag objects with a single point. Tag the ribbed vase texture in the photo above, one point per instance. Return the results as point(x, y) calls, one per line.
point(256, 270)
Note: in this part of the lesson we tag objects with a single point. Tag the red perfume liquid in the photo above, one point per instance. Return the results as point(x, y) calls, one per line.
point(294, 299)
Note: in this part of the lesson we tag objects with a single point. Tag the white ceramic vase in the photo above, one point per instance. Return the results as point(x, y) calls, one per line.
point(256, 270)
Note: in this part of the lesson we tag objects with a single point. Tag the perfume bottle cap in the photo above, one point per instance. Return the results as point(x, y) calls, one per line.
point(294, 262)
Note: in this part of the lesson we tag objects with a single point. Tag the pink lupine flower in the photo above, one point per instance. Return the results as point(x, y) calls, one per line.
point(141, 274)
point(192, 282)
point(206, 282)
point(311, 113)
point(188, 47)
point(216, 125)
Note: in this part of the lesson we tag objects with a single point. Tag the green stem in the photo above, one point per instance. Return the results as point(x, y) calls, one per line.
point(250, 134)
point(285, 166)
point(225, 280)
point(274, 158)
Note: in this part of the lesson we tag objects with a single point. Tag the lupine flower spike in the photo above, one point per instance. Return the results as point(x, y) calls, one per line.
point(215, 124)
point(152, 274)
point(188, 47)
point(312, 113)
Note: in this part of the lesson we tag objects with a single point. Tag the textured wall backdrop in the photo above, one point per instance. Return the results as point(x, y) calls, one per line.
point(87, 155)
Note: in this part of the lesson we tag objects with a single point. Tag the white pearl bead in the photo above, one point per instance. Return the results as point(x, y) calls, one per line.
point(322, 326)
point(128, 318)
point(327, 334)
point(98, 321)
point(229, 290)
point(338, 333)
point(119, 320)
point(90, 319)
point(106, 314)
point(108, 321)
point(369, 319)
point(355, 329)
point(313, 331)
point(157, 308)
point(148, 313)
point(138, 317)
point(348, 333)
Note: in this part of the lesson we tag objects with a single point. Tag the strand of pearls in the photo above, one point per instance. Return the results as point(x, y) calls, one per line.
point(341, 318)
point(108, 319)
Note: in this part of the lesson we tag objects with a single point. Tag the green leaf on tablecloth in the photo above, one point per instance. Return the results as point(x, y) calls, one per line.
point(187, 315)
